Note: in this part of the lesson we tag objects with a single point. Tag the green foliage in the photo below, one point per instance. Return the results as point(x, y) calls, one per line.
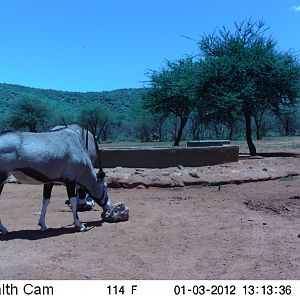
point(173, 91)
point(173, 88)
point(68, 105)
point(94, 117)
point(29, 112)
point(244, 73)
point(239, 77)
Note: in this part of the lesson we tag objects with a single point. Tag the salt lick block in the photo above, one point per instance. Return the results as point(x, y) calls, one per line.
point(119, 212)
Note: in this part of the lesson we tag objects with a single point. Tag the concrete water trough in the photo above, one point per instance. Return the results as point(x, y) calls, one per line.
point(164, 157)
point(207, 143)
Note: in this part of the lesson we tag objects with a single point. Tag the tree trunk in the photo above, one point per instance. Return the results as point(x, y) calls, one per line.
point(182, 124)
point(286, 126)
point(195, 128)
point(258, 127)
point(258, 135)
point(216, 130)
point(175, 128)
point(251, 146)
point(194, 132)
point(230, 127)
point(230, 133)
point(160, 132)
point(197, 134)
point(32, 128)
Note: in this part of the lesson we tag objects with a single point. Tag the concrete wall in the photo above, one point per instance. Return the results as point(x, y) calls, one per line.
point(168, 157)
point(206, 143)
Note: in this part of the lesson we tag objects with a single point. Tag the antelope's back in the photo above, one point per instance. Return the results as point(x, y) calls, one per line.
point(50, 156)
point(85, 137)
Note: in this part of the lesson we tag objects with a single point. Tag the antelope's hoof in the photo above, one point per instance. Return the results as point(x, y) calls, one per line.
point(2, 232)
point(81, 228)
point(42, 229)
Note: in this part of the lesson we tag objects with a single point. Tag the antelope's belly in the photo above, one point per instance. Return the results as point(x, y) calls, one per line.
point(23, 178)
point(34, 178)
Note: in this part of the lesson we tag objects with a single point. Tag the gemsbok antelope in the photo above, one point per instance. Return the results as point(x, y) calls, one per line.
point(56, 157)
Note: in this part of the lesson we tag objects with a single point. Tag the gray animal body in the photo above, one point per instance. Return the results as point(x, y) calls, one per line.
point(53, 157)
point(85, 137)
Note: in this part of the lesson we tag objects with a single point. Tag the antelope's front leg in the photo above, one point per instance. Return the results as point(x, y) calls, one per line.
point(71, 190)
point(46, 200)
point(3, 230)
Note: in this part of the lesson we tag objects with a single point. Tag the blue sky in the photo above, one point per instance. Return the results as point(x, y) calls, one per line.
point(90, 45)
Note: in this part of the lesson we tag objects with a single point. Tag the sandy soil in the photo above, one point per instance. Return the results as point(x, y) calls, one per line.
point(230, 231)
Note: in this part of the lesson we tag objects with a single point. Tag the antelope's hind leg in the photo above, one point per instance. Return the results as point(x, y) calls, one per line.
point(3, 230)
point(46, 200)
point(71, 190)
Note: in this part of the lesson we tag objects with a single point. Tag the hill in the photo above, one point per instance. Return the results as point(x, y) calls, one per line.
point(119, 103)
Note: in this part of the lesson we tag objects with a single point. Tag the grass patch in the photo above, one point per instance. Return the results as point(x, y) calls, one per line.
point(285, 179)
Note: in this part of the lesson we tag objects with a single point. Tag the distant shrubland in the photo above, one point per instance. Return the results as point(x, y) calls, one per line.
point(128, 120)
point(238, 86)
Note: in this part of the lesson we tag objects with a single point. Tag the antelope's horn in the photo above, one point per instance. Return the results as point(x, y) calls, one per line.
point(100, 173)
point(64, 122)
point(87, 138)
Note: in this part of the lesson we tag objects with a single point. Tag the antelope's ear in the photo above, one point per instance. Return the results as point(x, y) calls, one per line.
point(100, 175)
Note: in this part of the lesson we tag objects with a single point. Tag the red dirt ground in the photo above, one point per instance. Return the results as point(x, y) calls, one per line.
point(230, 231)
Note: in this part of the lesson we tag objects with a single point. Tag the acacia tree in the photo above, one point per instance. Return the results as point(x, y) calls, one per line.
point(287, 118)
point(96, 119)
point(220, 111)
point(29, 112)
point(247, 66)
point(258, 115)
point(172, 92)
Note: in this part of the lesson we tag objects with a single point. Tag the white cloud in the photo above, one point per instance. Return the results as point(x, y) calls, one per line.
point(295, 8)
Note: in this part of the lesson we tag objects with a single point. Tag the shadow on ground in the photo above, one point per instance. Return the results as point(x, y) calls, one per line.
point(50, 232)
